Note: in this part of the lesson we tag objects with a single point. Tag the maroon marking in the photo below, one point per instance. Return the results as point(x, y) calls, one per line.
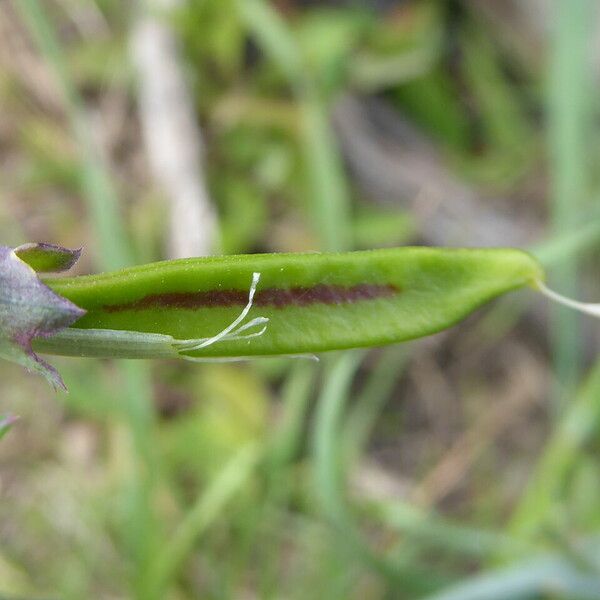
point(274, 297)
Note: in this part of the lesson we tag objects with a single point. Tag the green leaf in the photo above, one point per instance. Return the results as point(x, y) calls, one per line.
point(237, 306)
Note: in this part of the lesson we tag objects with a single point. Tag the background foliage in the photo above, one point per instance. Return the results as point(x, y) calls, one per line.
point(462, 466)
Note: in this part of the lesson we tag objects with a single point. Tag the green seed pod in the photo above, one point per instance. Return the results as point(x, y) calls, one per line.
point(277, 304)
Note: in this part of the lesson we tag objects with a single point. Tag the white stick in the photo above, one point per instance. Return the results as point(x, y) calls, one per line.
point(172, 134)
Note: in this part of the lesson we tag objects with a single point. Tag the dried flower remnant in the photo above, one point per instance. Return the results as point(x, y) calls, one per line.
point(29, 308)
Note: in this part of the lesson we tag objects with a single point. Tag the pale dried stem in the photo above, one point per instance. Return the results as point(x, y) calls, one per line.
point(172, 136)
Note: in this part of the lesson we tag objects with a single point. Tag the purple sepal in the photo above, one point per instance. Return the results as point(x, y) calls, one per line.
point(29, 309)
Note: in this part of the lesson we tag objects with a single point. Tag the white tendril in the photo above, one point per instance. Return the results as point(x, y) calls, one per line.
point(234, 331)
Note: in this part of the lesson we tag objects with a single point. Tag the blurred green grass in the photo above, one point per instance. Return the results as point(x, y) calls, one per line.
point(282, 479)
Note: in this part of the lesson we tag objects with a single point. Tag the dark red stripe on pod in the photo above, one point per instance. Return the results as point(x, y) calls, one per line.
point(272, 297)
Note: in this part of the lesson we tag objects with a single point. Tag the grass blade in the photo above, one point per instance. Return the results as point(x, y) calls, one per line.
point(208, 507)
point(568, 123)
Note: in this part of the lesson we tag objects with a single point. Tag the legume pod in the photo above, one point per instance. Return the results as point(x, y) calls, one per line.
point(276, 304)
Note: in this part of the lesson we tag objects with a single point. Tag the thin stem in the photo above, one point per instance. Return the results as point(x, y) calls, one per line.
point(584, 307)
